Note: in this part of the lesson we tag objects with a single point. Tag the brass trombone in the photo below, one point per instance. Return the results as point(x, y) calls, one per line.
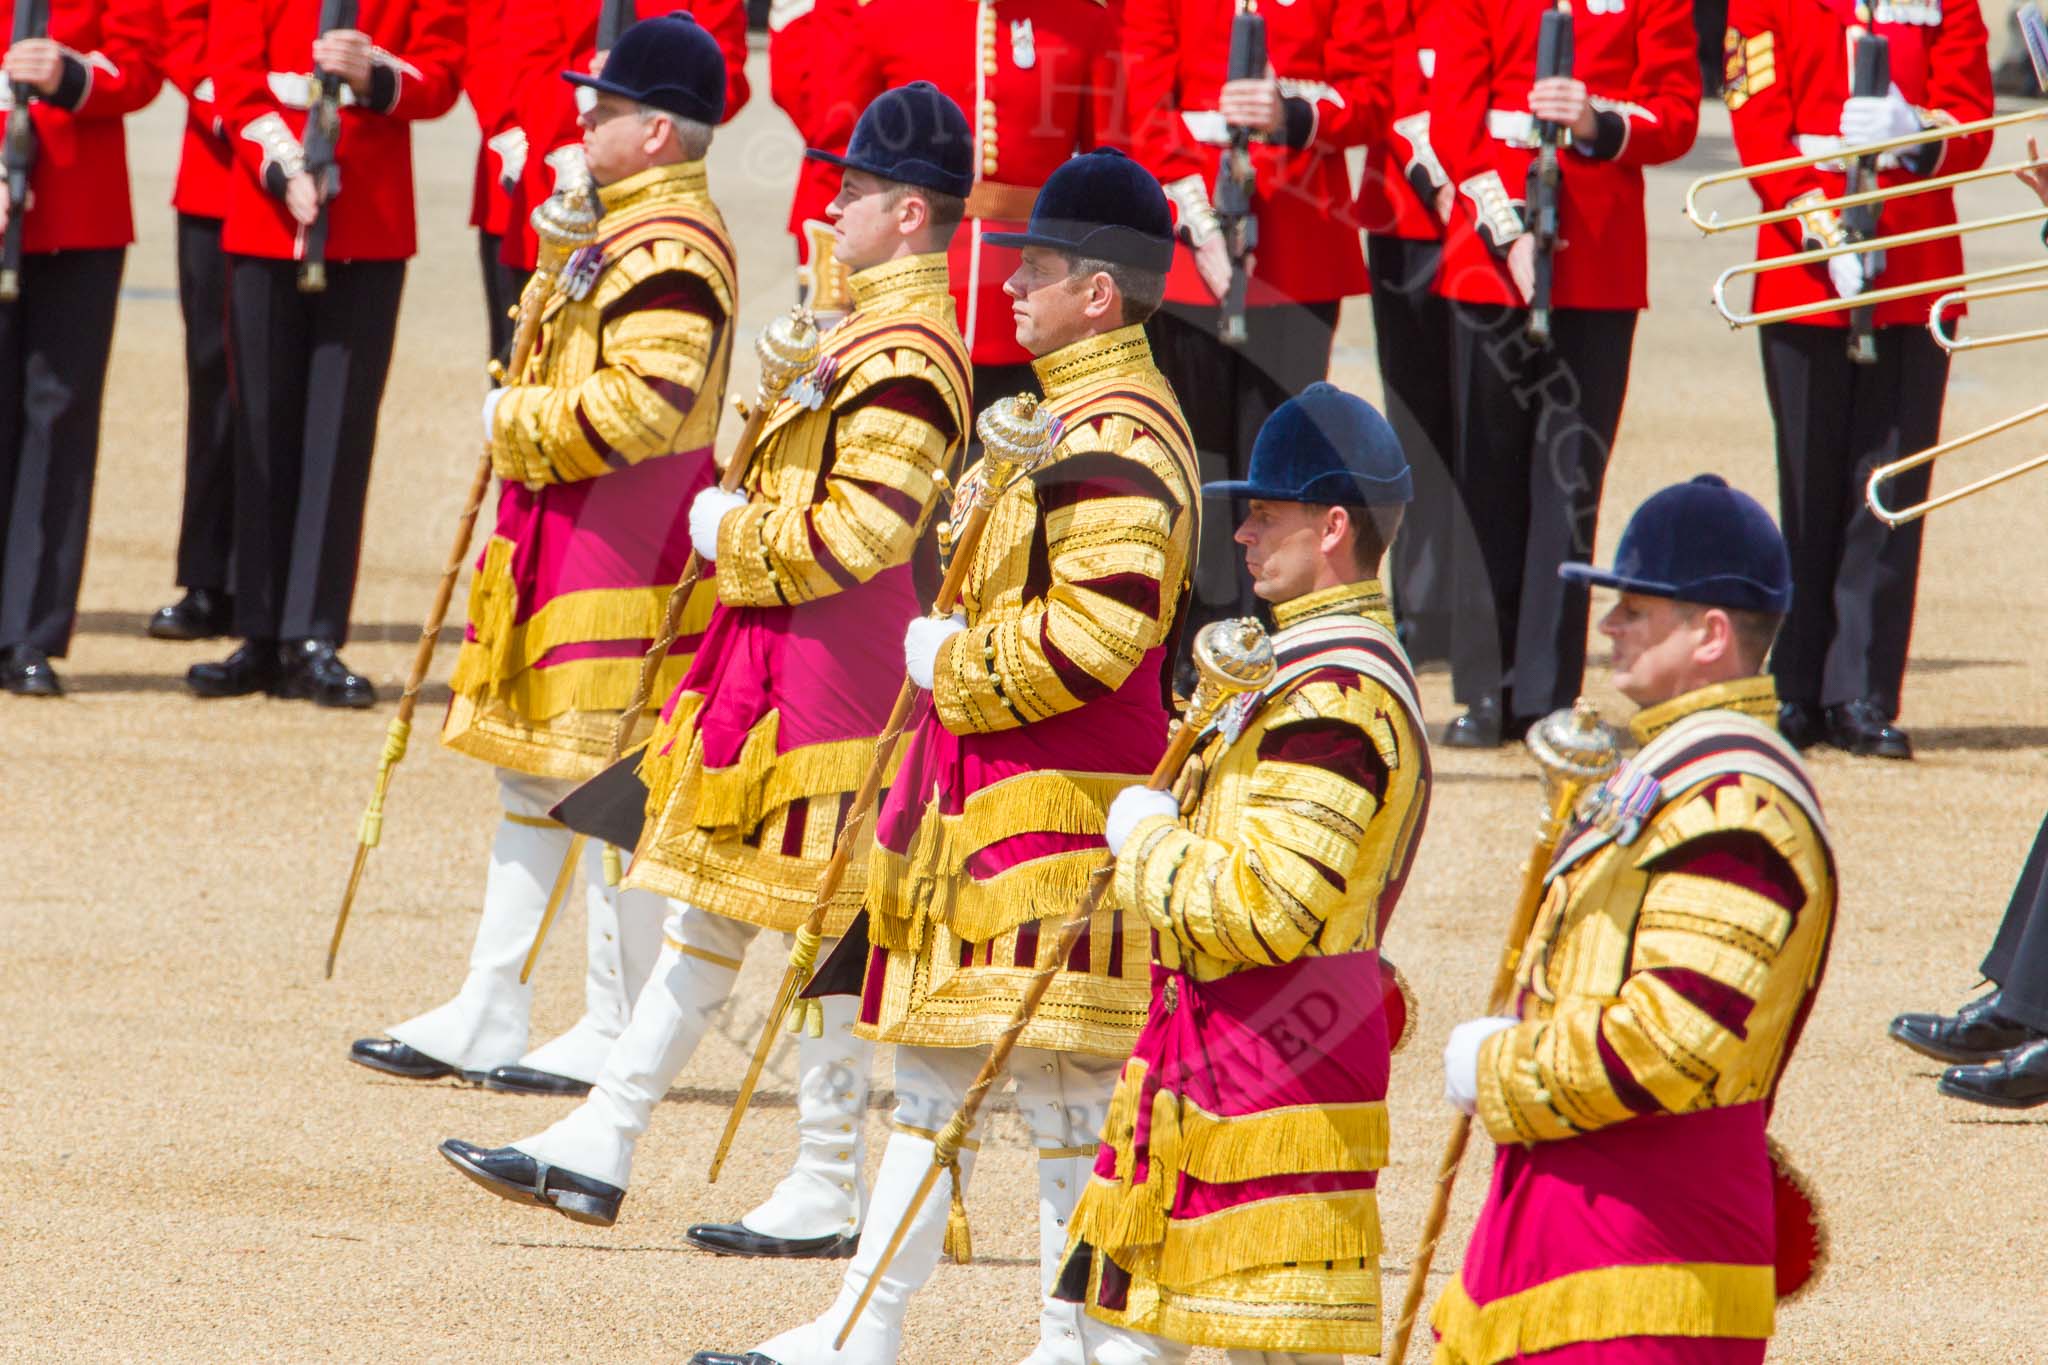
point(1711, 223)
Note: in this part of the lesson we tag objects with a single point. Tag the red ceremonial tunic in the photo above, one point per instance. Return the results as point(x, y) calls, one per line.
point(486, 81)
point(83, 155)
point(261, 52)
point(1788, 69)
point(1640, 63)
point(544, 38)
point(1036, 79)
point(1333, 54)
point(1401, 166)
point(206, 165)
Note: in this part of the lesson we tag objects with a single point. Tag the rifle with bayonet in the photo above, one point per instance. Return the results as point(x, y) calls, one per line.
point(1870, 74)
point(1235, 181)
point(323, 138)
point(31, 20)
point(1545, 187)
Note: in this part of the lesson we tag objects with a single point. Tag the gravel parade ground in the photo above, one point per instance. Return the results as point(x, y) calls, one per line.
point(198, 1173)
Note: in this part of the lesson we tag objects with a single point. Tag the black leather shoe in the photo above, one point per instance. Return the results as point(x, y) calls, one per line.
point(1478, 728)
point(1862, 728)
point(511, 1174)
point(252, 668)
point(721, 1358)
point(201, 614)
point(313, 671)
point(25, 671)
point(1801, 724)
point(394, 1058)
point(1974, 1033)
point(524, 1080)
point(733, 1239)
point(2018, 1080)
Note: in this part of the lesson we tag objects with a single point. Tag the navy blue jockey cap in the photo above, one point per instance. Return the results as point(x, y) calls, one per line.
point(913, 135)
point(670, 63)
point(1100, 206)
point(1324, 446)
point(1700, 542)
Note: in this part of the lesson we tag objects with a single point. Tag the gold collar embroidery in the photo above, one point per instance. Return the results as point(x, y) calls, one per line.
point(683, 180)
point(1124, 351)
point(1755, 696)
point(900, 281)
point(1363, 598)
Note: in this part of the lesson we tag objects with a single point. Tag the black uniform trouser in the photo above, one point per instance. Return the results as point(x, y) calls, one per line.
point(309, 378)
point(54, 344)
point(1412, 327)
point(1534, 428)
point(1853, 578)
point(502, 285)
point(2018, 960)
point(1226, 393)
point(206, 524)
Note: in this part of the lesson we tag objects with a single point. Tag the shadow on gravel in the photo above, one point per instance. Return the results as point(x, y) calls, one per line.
point(133, 623)
point(1977, 738)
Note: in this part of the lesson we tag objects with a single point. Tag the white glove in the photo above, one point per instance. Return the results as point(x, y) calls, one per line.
point(1461, 1061)
point(711, 508)
point(921, 645)
point(1846, 272)
point(1133, 805)
point(1878, 118)
point(491, 414)
point(510, 146)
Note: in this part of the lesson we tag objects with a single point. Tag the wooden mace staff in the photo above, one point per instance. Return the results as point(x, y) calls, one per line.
point(564, 223)
point(1574, 750)
point(787, 347)
point(1232, 657)
point(1017, 437)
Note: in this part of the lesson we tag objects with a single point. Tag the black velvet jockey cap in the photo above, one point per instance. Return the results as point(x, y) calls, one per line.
point(1100, 206)
point(668, 63)
point(913, 135)
point(1324, 446)
point(1701, 542)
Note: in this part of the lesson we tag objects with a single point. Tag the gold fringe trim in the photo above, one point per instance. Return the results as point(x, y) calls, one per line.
point(1299, 1228)
point(1686, 1299)
point(1336, 1137)
point(929, 881)
point(1331, 1308)
point(571, 745)
point(757, 782)
point(493, 603)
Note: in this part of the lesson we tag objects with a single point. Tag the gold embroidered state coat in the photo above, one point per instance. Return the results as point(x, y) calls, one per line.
point(1047, 704)
point(764, 742)
point(611, 425)
point(1265, 1057)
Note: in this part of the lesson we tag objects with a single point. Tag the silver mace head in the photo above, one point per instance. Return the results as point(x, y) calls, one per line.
point(1574, 746)
point(566, 219)
point(787, 347)
point(1230, 657)
point(1017, 436)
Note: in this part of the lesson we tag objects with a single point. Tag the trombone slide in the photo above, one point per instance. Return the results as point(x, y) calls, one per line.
point(1884, 473)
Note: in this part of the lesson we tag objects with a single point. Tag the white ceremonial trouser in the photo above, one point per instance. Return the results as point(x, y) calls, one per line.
point(1115, 1346)
point(699, 962)
point(487, 1023)
point(1063, 1098)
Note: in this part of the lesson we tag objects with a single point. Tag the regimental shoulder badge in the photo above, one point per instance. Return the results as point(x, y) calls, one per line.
point(1749, 66)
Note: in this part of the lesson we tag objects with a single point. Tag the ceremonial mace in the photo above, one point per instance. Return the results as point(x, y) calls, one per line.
point(1574, 750)
point(565, 222)
point(787, 347)
point(1017, 437)
point(1232, 657)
